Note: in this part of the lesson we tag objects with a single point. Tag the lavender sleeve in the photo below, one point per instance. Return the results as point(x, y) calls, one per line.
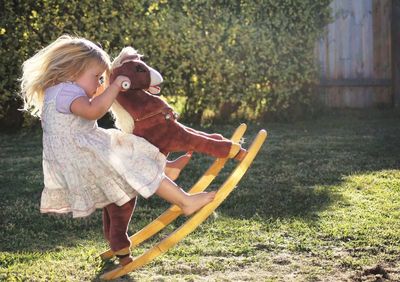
point(68, 93)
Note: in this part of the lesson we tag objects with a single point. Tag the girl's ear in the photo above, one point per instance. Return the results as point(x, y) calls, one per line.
point(104, 85)
point(100, 90)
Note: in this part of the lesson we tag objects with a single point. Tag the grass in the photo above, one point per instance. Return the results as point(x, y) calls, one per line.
point(321, 202)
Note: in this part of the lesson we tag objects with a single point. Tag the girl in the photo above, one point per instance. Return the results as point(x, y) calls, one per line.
point(86, 167)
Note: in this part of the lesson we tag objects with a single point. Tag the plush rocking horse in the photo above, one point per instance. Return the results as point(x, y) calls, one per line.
point(139, 110)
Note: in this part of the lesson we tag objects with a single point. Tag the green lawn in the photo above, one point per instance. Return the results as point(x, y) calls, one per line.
point(321, 202)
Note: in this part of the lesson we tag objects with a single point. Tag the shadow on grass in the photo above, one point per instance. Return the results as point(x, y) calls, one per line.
point(294, 175)
point(108, 266)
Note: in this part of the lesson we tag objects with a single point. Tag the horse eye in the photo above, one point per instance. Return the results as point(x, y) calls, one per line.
point(140, 68)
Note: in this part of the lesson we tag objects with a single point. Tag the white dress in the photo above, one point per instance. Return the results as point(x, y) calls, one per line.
point(87, 167)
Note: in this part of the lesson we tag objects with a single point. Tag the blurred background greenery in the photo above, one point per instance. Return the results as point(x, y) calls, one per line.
point(220, 59)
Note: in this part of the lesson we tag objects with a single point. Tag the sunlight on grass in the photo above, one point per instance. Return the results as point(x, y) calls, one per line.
point(365, 223)
point(320, 202)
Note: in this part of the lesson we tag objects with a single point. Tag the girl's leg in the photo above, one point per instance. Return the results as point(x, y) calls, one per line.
point(173, 168)
point(172, 193)
point(119, 218)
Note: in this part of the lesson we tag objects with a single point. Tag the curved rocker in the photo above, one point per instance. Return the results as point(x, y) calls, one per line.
point(192, 223)
point(174, 211)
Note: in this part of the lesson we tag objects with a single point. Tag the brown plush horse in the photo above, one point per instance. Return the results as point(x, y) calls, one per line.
point(139, 110)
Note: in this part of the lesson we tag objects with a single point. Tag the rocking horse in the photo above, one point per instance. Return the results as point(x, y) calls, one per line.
point(140, 111)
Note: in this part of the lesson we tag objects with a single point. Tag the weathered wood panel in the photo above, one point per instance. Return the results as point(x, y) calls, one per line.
point(357, 48)
point(356, 97)
point(396, 51)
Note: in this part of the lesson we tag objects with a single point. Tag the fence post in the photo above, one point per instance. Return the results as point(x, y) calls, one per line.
point(396, 52)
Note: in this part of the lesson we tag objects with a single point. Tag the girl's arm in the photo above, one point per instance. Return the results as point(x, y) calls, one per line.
point(98, 106)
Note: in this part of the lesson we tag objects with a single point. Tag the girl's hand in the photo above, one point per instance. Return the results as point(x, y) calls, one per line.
point(121, 81)
point(97, 107)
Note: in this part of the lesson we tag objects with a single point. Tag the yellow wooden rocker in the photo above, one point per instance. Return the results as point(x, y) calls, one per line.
point(194, 221)
point(174, 211)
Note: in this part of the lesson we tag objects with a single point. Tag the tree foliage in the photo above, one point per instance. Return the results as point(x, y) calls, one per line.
point(254, 57)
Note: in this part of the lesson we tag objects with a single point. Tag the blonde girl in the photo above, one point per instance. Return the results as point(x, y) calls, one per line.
point(86, 167)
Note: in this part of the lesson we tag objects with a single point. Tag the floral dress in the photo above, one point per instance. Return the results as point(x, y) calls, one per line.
point(87, 167)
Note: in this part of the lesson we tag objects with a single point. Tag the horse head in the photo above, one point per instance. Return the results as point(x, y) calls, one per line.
point(142, 76)
point(139, 100)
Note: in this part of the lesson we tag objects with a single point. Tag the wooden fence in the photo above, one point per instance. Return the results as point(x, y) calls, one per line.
point(356, 57)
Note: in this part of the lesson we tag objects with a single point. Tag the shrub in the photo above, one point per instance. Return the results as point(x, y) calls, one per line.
point(216, 56)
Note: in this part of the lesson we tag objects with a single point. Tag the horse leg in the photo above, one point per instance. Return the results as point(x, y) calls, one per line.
point(215, 136)
point(236, 150)
point(190, 140)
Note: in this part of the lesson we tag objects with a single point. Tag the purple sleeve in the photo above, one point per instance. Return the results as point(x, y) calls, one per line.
point(68, 93)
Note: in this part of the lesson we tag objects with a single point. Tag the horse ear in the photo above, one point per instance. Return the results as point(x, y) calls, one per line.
point(127, 53)
point(130, 58)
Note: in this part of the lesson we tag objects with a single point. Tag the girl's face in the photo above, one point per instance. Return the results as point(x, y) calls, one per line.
point(90, 79)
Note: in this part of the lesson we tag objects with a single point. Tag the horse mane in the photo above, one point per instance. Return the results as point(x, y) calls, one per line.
point(128, 53)
point(122, 118)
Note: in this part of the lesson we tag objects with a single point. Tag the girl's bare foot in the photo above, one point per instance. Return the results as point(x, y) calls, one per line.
point(173, 168)
point(196, 201)
point(169, 191)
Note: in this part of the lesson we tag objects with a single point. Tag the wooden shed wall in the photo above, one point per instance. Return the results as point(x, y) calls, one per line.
point(355, 55)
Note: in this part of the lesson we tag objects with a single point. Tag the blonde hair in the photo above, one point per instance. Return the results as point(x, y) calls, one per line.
point(123, 120)
point(63, 60)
